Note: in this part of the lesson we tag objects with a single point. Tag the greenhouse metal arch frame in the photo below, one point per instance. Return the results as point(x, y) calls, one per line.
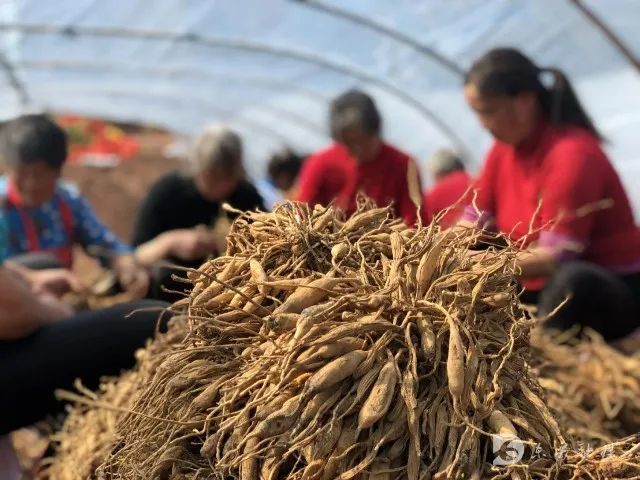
point(239, 44)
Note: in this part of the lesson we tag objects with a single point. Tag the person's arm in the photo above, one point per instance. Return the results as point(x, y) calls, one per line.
point(155, 234)
point(481, 204)
point(187, 244)
point(57, 281)
point(100, 242)
point(536, 262)
point(156, 249)
point(575, 182)
point(131, 274)
point(21, 311)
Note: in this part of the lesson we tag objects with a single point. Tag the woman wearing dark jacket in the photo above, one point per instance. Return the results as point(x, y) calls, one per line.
point(176, 218)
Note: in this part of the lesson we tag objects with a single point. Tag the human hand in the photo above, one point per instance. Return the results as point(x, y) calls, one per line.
point(55, 308)
point(132, 277)
point(55, 281)
point(192, 244)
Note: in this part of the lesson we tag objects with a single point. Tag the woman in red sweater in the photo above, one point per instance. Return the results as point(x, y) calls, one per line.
point(547, 173)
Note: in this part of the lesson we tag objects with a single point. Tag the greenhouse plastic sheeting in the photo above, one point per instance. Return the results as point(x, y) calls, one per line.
point(270, 67)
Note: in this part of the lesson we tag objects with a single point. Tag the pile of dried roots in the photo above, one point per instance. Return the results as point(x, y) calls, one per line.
point(321, 347)
point(594, 387)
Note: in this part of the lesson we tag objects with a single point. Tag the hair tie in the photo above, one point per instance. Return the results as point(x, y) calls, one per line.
point(547, 77)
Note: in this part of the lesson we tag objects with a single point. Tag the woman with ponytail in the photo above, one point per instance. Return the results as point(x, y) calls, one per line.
point(547, 183)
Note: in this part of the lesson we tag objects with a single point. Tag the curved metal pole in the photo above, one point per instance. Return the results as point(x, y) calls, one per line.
point(172, 72)
point(14, 81)
point(598, 23)
point(286, 115)
point(230, 115)
point(260, 127)
point(244, 45)
point(397, 35)
point(299, 120)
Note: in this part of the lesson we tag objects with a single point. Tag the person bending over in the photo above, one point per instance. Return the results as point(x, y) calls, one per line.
point(547, 182)
point(175, 222)
point(359, 160)
point(45, 217)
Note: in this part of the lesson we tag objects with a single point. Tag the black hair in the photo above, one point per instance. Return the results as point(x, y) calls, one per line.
point(508, 72)
point(285, 161)
point(31, 139)
point(354, 108)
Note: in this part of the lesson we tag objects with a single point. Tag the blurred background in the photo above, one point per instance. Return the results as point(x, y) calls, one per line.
point(163, 69)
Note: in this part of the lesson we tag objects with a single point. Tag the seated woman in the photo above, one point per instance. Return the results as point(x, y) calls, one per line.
point(45, 218)
point(176, 218)
point(547, 174)
point(359, 161)
point(45, 346)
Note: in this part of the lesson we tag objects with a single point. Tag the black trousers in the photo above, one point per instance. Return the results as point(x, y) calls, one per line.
point(599, 299)
point(87, 346)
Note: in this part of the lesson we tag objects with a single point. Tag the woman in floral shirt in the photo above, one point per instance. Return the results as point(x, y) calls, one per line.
point(45, 216)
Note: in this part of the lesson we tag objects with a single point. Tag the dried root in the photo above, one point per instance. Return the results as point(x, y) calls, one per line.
point(323, 348)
